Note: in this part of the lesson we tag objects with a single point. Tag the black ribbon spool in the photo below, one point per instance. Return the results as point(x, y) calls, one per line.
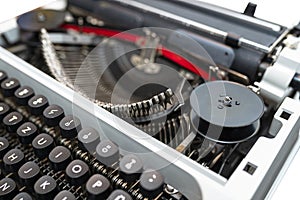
point(225, 112)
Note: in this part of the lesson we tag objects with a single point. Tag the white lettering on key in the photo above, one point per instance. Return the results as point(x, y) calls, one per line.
point(43, 185)
point(97, 184)
point(106, 149)
point(38, 101)
point(130, 164)
point(4, 187)
point(76, 169)
point(67, 124)
point(85, 137)
point(52, 112)
point(27, 171)
point(41, 141)
point(60, 153)
point(10, 83)
point(26, 130)
point(14, 117)
point(23, 92)
point(12, 157)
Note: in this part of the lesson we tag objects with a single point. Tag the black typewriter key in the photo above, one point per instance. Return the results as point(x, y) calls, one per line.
point(27, 132)
point(29, 173)
point(107, 152)
point(9, 86)
point(65, 195)
point(4, 110)
point(37, 104)
point(4, 146)
point(69, 126)
point(23, 94)
point(98, 187)
point(42, 145)
point(60, 157)
point(13, 160)
point(22, 196)
point(12, 121)
point(53, 114)
point(3, 76)
point(45, 187)
point(77, 172)
point(88, 139)
point(151, 183)
point(119, 195)
point(131, 167)
point(8, 188)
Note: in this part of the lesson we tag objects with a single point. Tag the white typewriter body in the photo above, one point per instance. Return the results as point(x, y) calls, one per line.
point(275, 161)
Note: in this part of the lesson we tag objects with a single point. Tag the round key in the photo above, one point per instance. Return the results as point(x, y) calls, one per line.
point(4, 146)
point(131, 167)
point(27, 132)
point(37, 104)
point(60, 157)
point(8, 188)
point(3, 76)
point(77, 172)
point(23, 94)
point(98, 187)
point(12, 121)
point(119, 195)
point(45, 187)
point(29, 173)
point(4, 110)
point(88, 139)
point(13, 160)
point(53, 114)
point(42, 145)
point(107, 152)
point(65, 195)
point(151, 183)
point(69, 126)
point(9, 86)
point(22, 196)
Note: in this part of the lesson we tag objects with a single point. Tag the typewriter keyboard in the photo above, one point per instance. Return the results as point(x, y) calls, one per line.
point(46, 154)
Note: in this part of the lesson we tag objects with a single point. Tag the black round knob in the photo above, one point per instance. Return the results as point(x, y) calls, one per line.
point(77, 172)
point(23, 94)
point(98, 187)
point(53, 114)
point(131, 167)
point(69, 126)
point(151, 183)
point(225, 111)
point(9, 86)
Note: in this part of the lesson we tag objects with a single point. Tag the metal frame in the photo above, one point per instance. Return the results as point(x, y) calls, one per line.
point(194, 181)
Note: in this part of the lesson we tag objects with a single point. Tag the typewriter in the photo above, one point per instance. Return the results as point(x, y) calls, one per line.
point(136, 99)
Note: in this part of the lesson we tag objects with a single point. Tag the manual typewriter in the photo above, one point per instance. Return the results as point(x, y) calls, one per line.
point(136, 99)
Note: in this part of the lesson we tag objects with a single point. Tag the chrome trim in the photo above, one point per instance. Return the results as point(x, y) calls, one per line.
point(243, 42)
point(270, 25)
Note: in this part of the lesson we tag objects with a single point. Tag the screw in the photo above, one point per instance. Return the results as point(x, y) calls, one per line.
point(227, 101)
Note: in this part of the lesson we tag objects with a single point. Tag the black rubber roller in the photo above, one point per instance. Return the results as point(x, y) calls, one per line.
point(225, 112)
